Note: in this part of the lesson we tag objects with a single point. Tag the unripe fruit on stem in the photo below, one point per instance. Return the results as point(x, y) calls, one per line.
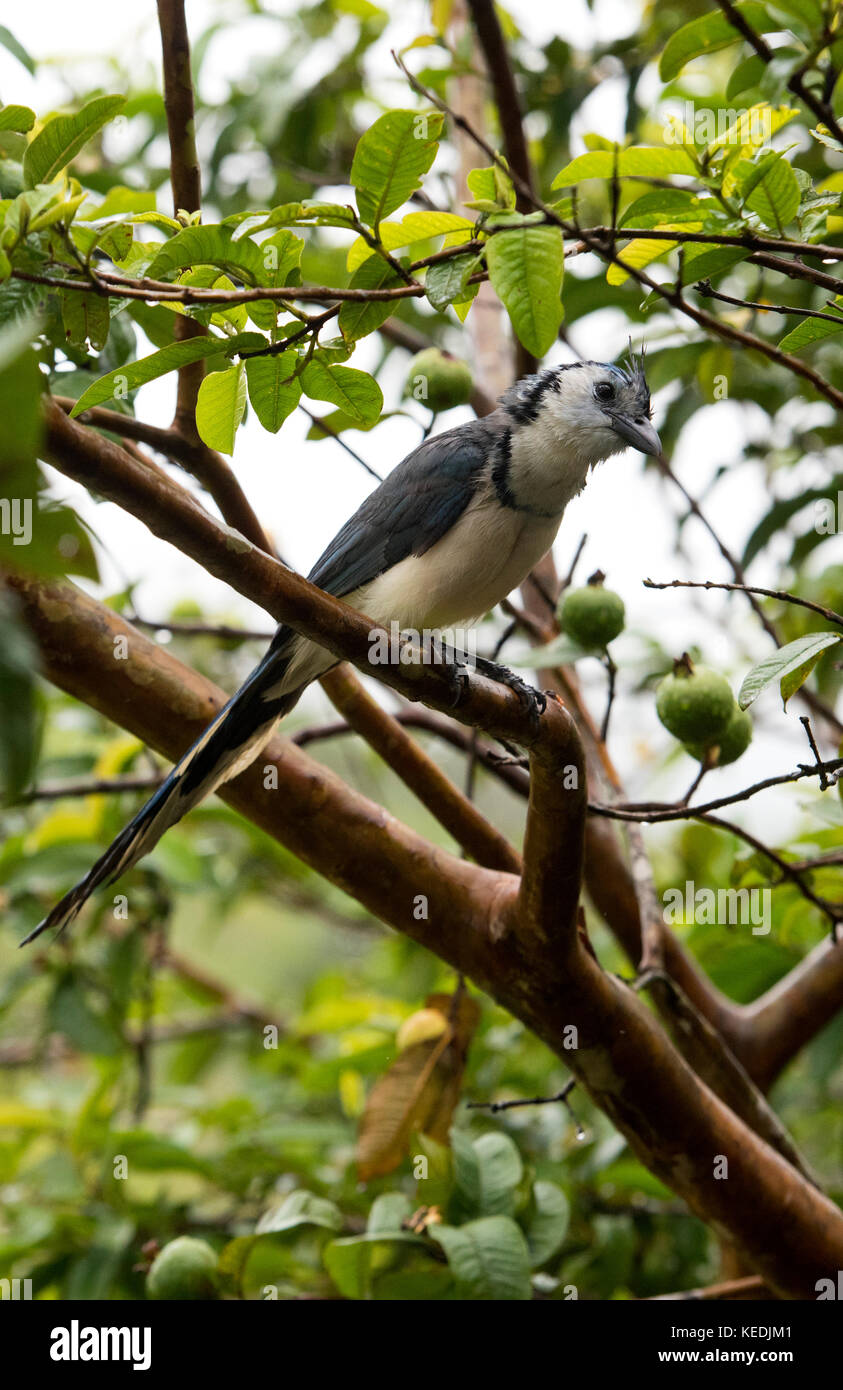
point(730, 745)
point(184, 1270)
point(695, 704)
point(593, 616)
point(439, 380)
point(420, 1027)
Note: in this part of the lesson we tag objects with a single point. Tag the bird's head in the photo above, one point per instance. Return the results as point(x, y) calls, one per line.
point(589, 409)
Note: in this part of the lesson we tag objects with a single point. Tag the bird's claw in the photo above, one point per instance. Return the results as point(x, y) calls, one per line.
point(458, 681)
point(534, 701)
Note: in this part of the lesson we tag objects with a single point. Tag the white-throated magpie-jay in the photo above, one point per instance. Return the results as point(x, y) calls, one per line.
point(451, 531)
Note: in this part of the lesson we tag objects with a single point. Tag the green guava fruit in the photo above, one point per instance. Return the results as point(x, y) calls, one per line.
point(695, 704)
point(184, 1270)
point(439, 380)
point(592, 616)
point(731, 744)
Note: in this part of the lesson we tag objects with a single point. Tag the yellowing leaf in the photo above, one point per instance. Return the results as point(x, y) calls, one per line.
point(419, 1092)
point(416, 226)
point(644, 250)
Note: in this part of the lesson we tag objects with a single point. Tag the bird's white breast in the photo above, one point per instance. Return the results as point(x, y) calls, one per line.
point(486, 555)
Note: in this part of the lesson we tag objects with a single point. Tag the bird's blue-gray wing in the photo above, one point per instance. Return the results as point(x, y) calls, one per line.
point(410, 511)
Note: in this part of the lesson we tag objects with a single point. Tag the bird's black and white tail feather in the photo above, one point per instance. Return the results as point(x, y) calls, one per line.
point(226, 747)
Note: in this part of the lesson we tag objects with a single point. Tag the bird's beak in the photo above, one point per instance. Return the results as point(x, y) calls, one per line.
point(639, 433)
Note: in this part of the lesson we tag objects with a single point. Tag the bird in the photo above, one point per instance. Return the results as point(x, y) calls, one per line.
point(450, 532)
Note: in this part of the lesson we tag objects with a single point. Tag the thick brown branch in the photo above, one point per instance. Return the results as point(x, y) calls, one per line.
point(207, 466)
point(774, 1027)
point(420, 773)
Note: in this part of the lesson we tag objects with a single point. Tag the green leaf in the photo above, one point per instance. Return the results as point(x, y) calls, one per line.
point(356, 393)
point(648, 161)
point(526, 265)
point(445, 282)
point(388, 1213)
point(547, 1222)
point(337, 422)
point(390, 160)
point(489, 1258)
point(16, 118)
point(18, 719)
point(274, 387)
point(802, 654)
point(807, 12)
point(62, 137)
point(746, 75)
point(662, 205)
point(120, 201)
point(125, 379)
point(315, 214)
point(354, 1261)
point(11, 44)
point(211, 245)
point(709, 33)
point(782, 510)
point(86, 1028)
point(85, 318)
point(219, 407)
point(702, 262)
point(772, 192)
point(560, 652)
point(299, 1209)
point(487, 1172)
point(156, 1154)
point(809, 331)
point(281, 255)
point(357, 320)
point(492, 189)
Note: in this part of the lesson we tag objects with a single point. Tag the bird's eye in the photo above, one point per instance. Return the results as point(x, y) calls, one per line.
point(604, 391)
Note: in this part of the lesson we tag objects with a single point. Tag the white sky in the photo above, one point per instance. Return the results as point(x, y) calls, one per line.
point(304, 492)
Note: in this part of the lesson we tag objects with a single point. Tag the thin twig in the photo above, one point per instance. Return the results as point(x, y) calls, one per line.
point(496, 1106)
point(781, 594)
point(328, 429)
point(653, 811)
point(704, 288)
point(806, 724)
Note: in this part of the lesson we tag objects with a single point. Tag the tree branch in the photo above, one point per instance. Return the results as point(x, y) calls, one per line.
point(184, 177)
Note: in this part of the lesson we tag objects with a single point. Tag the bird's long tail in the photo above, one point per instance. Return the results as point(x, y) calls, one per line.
point(226, 747)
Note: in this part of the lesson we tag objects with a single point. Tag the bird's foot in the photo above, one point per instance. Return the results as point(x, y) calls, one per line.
point(459, 679)
point(456, 669)
point(534, 701)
